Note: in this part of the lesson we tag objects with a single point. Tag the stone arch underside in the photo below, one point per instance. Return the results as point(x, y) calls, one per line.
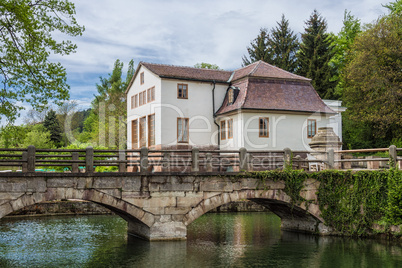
point(127, 211)
point(305, 218)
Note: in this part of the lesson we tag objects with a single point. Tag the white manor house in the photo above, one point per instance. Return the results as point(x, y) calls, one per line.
point(259, 107)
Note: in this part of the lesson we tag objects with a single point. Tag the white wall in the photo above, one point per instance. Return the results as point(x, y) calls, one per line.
point(335, 121)
point(285, 130)
point(150, 80)
point(198, 108)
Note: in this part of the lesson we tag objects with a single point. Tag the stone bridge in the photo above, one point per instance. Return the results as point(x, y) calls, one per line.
point(161, 206)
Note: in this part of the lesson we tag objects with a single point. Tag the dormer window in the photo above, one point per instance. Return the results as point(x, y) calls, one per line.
point(231, 96)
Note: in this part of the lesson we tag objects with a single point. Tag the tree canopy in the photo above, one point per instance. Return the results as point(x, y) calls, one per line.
point(106, 123)
point(283, 44)
point(205, 65)
point(258, 49)
point(26, 44)
point(373, 81)
point(316, 51)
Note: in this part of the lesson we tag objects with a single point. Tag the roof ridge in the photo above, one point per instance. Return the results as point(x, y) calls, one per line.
point(255, 68)
point(283, 70)
point(181, 66)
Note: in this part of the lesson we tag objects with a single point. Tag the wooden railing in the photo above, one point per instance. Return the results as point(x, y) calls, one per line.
point(143, 160)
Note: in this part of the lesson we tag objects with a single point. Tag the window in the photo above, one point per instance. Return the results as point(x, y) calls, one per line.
point(142, 80)
point(182, 91)
point(136, 101)
point(223, 130)
point(311, 128)
point(143, 140)
point(150, 94)
point(230, 129)
point(144, 97)
point(151, 129)
point(182, 129)
point(140, 97)
point(264, 127)
point(134, 134)
point(231, 96)
point(132, 102)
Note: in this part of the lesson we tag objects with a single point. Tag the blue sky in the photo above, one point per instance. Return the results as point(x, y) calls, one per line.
point(185, 32)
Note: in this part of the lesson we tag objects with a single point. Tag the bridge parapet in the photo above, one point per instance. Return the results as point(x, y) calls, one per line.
point(31, 160)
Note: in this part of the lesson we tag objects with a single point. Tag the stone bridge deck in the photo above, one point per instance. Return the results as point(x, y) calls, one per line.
point(161, 206)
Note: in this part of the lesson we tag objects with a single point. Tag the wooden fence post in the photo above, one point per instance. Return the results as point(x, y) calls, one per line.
point(122, 165)
point(24, 158)
point(393, 157)
point(144, 159)
point(89, 160)
point(243, 159)
point(31, 159)
point(195, 156)
point(287, 158)
point(208, 162)
point(75, 166)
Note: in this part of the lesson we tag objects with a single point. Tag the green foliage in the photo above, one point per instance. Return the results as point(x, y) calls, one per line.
point(373, 84)
point(38, 137)
point(52, 125)
point(342, 43)
point(106, 123)
point(394, 209)
point(350, 202)
point(283, 45)
point(258, 49)
point(26, 44)
point(277, 47)
point(12, 136)
point(316, 51)
point(204, 65)
point(394, 7)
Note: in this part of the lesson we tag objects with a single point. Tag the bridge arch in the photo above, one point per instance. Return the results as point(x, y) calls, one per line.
point(294, 217)
point(126, 210)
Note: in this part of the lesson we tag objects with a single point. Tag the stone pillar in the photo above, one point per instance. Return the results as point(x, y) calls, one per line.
point(322, 142)
point(163, 229)
point(31, 158)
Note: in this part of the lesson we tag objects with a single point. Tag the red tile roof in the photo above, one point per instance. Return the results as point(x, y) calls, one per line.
point(276, 95)
point(182, 72)
point(265, 87)
point(263, 69)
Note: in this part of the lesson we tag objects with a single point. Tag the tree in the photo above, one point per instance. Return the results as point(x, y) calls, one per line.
point(34, 117)
point(315, 52)
point(283, 45)
point(38, 137)
point(26, 43)
point(106, 124)
point(258, 49)
point(373, 81)
point(342, 43)
point(394, 7)
point(52, 124)
point(204, 65)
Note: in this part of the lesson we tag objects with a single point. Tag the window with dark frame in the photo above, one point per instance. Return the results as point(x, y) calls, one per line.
point(264, 127)
point(142, 80)
point(151, 130)
point(230, 129)
point(182, 130)
point(311, 128)
point(134, 134)
point(143, 133)
point(223, 130)
point(182, 91)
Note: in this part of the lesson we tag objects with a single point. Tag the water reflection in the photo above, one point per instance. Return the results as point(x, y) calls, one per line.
point(214, 240)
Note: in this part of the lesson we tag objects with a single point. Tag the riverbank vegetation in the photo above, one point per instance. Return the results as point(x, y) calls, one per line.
point(351, 202)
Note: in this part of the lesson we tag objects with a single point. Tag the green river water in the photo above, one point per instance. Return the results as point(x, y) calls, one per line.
point(214, 240)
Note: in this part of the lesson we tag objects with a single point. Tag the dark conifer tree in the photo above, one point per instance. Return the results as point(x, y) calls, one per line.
point(283, 45)
point(52, 124)
point(316, 51)
point(258, 49)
